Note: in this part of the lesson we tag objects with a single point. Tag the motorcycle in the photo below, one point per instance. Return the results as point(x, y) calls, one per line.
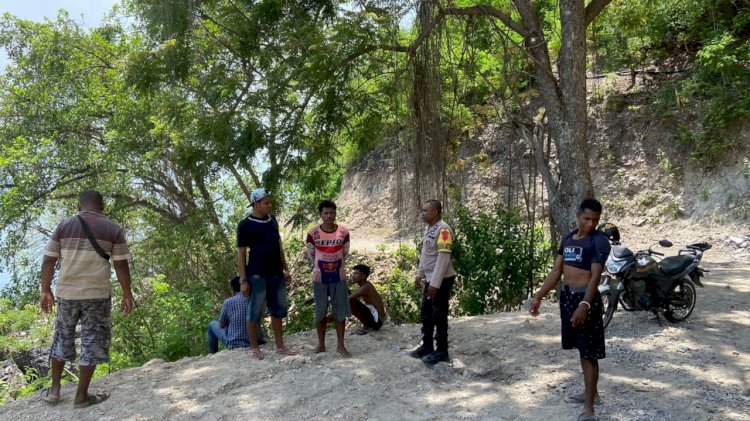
point(638, 281)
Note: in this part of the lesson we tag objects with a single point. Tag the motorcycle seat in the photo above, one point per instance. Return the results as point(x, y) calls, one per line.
point(675, 264)
point(621, 252)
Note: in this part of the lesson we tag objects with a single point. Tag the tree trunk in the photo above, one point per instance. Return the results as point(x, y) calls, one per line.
point(571, 133)
point(565, 106)
point(430, 139)
point(564, 96)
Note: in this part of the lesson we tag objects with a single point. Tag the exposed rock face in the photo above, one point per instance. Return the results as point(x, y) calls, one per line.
point(11, 376)
point(373, 195)
point(36, 358)
point(639, 169)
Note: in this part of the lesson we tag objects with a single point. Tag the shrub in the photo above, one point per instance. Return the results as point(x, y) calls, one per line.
point(400, 297)
point(499, 258)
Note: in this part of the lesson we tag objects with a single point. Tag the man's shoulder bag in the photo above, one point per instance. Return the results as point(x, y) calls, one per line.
point(99, 250)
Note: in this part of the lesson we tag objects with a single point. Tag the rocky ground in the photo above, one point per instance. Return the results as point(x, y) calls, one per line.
point(505, 367)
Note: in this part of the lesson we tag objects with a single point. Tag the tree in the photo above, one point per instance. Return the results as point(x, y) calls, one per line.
point(561, 87)
point(69, 122)
point(268, 80)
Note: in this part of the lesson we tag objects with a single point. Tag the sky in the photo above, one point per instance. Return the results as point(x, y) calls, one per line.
point(88, 12)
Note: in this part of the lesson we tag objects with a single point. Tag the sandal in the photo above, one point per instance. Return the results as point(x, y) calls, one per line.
point(285, 351)
point(97, 397)
point(580, 399)
point(44, 395)
point(256, 354)
point(591, 417)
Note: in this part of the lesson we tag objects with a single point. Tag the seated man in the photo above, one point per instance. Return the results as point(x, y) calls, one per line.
point(230, 328)
point(371, 313)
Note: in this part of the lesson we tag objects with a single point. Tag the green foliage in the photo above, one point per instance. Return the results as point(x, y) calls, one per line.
point(614, 205)
point(400, 297)
point(647, 200)
point(639, 33)
point(22, 328)
point(407, 256)
point(166, 323)
point(34, 383)
point(171, 112)
point(609, 159)
point(301, 310)
point(615, 103)
point(704, 194)
point(672, 210)
point(671, 169)
point(499, 258)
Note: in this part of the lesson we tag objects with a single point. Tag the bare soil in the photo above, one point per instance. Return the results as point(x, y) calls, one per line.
point(504, 367)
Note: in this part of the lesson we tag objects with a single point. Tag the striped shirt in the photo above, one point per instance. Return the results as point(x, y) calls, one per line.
point(85, 275)
point(328, 252)
point(232, 316)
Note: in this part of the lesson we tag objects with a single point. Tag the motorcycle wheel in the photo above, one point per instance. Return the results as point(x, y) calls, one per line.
point(609, 304)
point(681, 301)
point(624, 302)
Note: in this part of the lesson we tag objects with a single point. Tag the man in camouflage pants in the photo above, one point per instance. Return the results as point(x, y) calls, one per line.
point(84, 292)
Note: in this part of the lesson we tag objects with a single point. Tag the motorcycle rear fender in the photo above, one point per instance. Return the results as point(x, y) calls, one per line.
point(695, 276)
point(687, 270)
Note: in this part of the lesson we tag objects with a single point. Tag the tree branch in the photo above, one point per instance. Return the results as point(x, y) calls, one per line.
point(133, 201)
point(208, 204)
point(479, 10)
point(485, 10)
point(534, 139)
point(593, 9)
point(241, 182)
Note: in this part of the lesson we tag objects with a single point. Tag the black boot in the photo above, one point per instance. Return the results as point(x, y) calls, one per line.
point(436, 357)
point(422, 351)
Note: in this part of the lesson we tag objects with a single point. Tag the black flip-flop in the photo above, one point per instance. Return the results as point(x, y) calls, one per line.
point(580, 399)
point(94, 399)
point(44, 395)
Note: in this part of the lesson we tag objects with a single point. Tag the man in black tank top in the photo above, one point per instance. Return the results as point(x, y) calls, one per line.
point(579, 262)
point(266, 271)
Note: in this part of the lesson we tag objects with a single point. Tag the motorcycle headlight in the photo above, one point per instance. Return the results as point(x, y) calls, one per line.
point(614, 266)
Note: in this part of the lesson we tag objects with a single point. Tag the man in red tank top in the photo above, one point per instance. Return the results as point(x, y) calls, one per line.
point(328, 248)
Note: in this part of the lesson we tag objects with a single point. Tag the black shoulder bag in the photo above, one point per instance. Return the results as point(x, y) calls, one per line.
point(99, 250)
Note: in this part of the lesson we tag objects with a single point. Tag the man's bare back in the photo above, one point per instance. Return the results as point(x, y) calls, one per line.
point(370, 296)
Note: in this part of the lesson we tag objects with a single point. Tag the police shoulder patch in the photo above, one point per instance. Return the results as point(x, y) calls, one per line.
point(445, 240)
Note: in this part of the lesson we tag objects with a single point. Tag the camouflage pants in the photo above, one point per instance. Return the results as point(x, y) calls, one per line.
point(96, 330)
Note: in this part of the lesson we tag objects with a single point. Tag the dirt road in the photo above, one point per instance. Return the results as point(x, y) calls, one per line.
point(505, 367)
